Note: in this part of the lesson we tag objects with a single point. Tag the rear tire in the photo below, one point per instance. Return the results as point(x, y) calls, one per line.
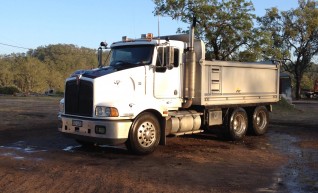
point(237, 125)
point(144, 134)
point(259, 121)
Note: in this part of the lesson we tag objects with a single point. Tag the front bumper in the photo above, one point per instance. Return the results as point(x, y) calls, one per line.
point(116, 131)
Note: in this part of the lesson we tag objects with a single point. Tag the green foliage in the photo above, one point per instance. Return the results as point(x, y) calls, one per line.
point(309, 78)
point(30, 74)
point(225, 26)
point(247, 56)
point(283, 105)
point(294, 31)
point(45, 67)
point(307, 83)
point(9, 90)
point(6, 75)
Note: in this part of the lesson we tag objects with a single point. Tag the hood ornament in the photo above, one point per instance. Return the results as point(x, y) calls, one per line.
point(117, 82)
point(78, 77)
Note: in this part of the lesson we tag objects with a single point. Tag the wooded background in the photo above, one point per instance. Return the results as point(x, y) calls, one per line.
point(229, 29)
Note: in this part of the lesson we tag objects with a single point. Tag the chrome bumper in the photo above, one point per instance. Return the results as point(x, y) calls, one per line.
point(116, 131)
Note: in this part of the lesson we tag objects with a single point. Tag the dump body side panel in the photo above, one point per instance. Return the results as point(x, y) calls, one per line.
point(229, 83)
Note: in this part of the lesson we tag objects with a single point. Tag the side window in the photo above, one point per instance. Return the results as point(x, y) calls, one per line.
point(176, 57)
point(162, 57)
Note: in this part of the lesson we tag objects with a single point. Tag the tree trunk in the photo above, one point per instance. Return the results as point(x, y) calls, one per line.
point(298, 89)
point(216, 53)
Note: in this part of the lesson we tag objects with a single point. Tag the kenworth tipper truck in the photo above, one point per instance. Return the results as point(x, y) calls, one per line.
point(155, 87)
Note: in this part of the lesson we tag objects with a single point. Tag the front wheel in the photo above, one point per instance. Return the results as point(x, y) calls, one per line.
point(237, 126)
point(144, 134)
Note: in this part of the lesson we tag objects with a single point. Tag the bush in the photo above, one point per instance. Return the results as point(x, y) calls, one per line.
point(59, 93)
point(9, 90)
point(283, 104)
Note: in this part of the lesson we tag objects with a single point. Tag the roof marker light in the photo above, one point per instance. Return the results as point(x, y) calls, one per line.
point(126, 39)
point(149, 36)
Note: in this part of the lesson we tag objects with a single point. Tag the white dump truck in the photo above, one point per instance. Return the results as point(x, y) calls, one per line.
point(156, 87)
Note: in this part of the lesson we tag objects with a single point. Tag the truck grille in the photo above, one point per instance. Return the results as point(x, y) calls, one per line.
point(79, 98)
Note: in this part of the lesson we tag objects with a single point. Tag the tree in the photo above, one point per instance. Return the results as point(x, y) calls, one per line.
point(30, 75)
point(62, 60)
point(46, 67)
point(309, 77)
point(6, 76)
point(225, 26)
point(294, 31)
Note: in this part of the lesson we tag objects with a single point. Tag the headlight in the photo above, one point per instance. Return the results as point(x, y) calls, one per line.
point(101, 111)
point(61, 107)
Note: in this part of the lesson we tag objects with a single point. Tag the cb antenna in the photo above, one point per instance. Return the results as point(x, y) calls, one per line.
point(159, 28)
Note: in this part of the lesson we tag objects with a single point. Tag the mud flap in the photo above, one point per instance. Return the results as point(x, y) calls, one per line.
point(163, 138)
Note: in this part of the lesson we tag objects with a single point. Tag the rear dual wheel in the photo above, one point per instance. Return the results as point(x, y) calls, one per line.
point(256, 122)
point(238, 123)
point(259, 121)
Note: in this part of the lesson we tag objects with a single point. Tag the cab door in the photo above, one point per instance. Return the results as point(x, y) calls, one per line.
point(167, 78)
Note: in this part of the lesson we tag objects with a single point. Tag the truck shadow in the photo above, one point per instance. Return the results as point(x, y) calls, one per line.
point(98, 150)
point(214, 136)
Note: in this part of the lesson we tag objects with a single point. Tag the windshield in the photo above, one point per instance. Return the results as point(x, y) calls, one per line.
point(132, 55)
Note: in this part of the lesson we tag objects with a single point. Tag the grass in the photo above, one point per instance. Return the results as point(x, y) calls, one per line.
point(283, 105)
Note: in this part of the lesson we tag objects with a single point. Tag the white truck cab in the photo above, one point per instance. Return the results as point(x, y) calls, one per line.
point(101, 105)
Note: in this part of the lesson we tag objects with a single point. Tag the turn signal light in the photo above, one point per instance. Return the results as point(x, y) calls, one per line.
point(102, 111)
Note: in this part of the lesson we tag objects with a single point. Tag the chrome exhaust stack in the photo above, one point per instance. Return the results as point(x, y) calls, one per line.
point(189, 79)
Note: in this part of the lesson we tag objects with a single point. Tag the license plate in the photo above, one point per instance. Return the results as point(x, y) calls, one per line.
point(77, 123)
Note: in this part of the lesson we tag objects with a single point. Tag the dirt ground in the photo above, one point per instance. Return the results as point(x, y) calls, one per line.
point(34, 157)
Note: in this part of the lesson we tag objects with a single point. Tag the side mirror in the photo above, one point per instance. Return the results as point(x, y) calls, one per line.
point(169, 51)
point(100, 53)
point(103, 44)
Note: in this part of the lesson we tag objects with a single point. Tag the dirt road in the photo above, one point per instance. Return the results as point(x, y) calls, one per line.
point(34, 157)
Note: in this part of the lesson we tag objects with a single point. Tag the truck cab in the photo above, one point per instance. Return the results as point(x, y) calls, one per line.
point(143, 79)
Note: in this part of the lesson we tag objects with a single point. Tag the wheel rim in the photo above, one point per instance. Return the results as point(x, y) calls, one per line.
point(239, 124)
point(261, 120)
point(146, 134)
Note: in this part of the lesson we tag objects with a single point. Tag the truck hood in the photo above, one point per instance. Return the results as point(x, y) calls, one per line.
point(111, 85)
point(95, 73)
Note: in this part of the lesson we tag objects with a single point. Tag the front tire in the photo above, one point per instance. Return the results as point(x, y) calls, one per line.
point(237, 126)
point(144, 134)
point(259, 121)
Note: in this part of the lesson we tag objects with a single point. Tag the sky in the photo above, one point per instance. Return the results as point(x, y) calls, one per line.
point(28, 24)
